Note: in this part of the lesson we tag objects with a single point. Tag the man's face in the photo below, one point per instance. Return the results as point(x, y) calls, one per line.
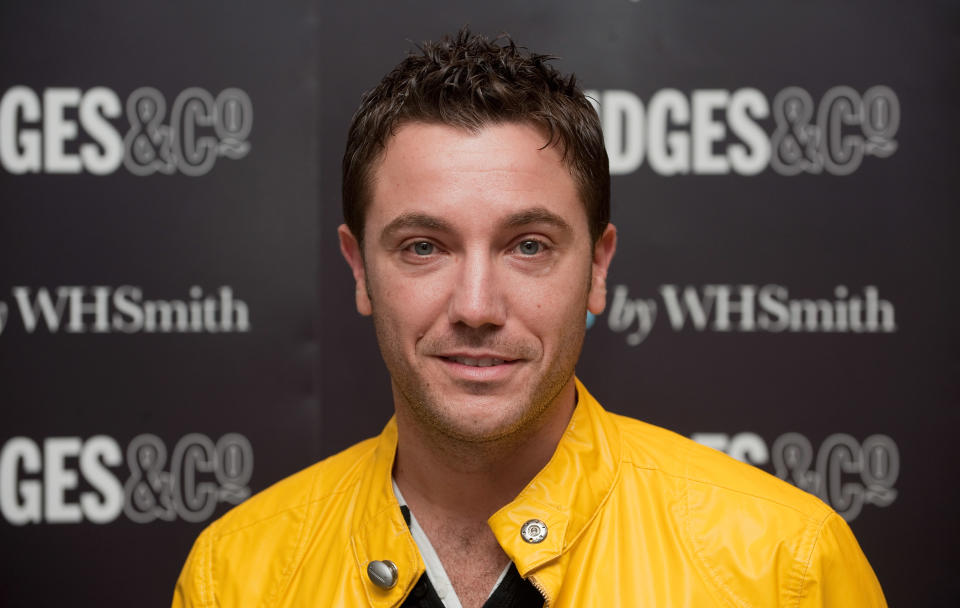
point(478, 269)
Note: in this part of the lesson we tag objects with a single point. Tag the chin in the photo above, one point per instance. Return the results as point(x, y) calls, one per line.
point(484, 422)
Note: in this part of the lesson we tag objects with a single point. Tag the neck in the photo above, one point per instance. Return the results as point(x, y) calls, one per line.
point(472, 480)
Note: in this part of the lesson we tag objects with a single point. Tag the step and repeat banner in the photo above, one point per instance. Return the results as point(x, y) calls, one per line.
point(177, 328)
point(158, 294)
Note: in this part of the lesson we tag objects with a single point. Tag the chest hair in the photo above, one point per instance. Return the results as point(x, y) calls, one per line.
point(471, 557)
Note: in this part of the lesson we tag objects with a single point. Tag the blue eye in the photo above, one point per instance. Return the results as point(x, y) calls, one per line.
point(530, 247)
point(423, 248)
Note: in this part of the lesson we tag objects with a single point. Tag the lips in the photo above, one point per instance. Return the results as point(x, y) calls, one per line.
point(476, 361)
point(487, 369)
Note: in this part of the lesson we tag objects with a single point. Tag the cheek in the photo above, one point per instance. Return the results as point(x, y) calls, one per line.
point(405, 306)
point(553, 310)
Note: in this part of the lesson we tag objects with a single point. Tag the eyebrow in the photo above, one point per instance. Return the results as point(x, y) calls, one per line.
point(536, 215)
point(414, 219)
point(424, 221)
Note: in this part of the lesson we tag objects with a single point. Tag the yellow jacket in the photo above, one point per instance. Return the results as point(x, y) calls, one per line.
point(635, 515)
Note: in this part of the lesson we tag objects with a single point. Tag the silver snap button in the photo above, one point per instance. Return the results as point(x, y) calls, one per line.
point(533, 531)
point(383, 573)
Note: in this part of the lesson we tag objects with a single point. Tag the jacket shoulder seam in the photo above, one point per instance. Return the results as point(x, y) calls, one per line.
point(310, 505)
point(713, 484)
point(208, 597)
point(731, 596)
point(305, 504)
point(311, 499)
point(807, 563)
point(290, 567)
point(727, 595)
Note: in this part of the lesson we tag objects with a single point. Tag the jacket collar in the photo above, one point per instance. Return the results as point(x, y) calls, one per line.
point(565, 495)
point(378, 530)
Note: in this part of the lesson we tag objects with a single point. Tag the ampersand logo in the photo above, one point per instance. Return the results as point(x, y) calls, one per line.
point(148, 141)
point(200, 476)
point(796, 142)
point(846, 128)
point(200, 130)
point(44, 132)
point(148, 487)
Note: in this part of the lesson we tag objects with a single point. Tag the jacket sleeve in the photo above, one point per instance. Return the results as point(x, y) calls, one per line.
point(195, 585)
point(838, 573)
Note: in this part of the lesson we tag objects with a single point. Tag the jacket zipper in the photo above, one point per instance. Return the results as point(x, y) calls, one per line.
point(546, 600)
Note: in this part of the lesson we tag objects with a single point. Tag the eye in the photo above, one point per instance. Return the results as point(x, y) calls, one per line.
point(530, 247)
point(422, 248)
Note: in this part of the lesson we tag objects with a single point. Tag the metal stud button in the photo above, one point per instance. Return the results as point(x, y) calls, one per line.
point(383, 573)
point(533, 531)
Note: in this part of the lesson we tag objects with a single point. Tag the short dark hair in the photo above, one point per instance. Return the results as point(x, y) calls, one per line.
point(469, 81)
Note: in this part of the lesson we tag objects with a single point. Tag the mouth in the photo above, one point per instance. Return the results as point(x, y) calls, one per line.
point(479, 367)
point(477, 361)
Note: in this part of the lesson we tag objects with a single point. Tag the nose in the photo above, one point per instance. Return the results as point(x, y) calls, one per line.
point(477, 297)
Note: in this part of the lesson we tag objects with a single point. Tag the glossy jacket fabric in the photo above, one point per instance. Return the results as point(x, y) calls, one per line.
point(635, 515)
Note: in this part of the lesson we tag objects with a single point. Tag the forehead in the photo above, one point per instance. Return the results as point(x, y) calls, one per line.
point(454, 172)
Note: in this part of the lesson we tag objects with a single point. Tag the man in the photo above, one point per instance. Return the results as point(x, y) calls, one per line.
point(476, 197)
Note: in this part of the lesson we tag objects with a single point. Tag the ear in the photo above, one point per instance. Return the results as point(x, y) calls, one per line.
point(602, 255)
point(350, 248)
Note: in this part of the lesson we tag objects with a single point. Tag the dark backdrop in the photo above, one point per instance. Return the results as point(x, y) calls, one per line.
point(177, 327)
